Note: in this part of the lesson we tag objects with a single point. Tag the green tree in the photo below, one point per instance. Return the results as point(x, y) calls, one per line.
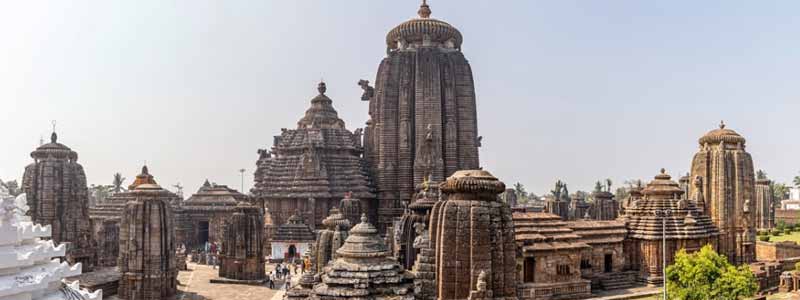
point(522, 194)
point(707, 275)
point(760, 174)
point(780, 191)
point(117, 183)
point(796, 181)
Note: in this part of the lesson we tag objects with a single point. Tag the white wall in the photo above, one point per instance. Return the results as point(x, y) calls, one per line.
point(280, 248)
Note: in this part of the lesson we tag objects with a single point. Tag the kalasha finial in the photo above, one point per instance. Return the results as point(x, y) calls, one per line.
point(321, 87)
point(144, 170)
point(424, 10)
point(721, 124)
point(53, 136)
point(663, 171)
point(364, 218)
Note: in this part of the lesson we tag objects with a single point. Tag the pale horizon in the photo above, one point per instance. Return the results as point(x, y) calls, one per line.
point(571, 90)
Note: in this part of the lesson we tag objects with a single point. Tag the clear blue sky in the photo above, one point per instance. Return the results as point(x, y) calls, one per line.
point(576, 90)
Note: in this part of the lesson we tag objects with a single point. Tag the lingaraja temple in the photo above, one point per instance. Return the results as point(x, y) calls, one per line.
point(424, 90)
point(55, 185)
point(311, 168)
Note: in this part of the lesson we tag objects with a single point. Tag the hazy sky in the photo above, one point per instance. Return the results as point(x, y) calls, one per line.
point(576, 90)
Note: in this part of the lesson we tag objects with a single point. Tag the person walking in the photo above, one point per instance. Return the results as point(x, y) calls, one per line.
point(271, 280)
point(213, 261)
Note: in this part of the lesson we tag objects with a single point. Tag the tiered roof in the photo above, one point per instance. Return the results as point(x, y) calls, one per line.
point(215, 195)
point(294, 230)
point(364, 270)
point(684, 222)
point(319, 159)
point(599, 232)
point(536, 231)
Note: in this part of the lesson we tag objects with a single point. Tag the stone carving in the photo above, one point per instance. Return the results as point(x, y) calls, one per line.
point(725, 167)
point(319, 159)
point(423, 55)
point(147, 245)
point(765, 204)
point(473, 231)
point(55, 184)
point(241, 256)
point(369, 92)
point(330, 239)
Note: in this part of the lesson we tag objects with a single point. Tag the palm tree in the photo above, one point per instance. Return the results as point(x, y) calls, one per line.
point(760, 174)
point(118, 180)
point(796, 181)
point(608, 185)
point(519, 189)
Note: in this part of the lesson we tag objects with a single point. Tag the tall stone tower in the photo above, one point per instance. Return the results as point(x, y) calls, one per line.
point(765, 205)
point(147, 244)
point(724, 179)
point(242, 256)
point(422, 111)
point(55, 184)
point(473, 234)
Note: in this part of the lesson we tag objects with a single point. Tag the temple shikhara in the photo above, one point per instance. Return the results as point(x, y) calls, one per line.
point(400, 209)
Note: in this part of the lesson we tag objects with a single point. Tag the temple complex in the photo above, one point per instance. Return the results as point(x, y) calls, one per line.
point(364, 270)
point(423, 118)
point(292, 239)
point(686, 227)
point(765, 205)
point(241, 255)
point(606, 264)
point(55, 184)
point(330, 239)
point(473, 233)
point(578, 208)
point(202, 215)
point(147, 244)
point(27, 267)
point(311, 168)
point(727, 187)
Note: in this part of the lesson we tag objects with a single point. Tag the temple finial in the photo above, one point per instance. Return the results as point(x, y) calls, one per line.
point(144, 169)
point(663, 171)
point(321, 87)
point(364, 218)
point(53, 136)
point(424, 10)
point(722, 124)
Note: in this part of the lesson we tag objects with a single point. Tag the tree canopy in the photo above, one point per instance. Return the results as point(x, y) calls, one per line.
point(707, 275)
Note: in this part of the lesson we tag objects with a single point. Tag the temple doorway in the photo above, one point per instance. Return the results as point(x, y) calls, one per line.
point(292, 252)
point(202, 233)
point(608, 263)
point(529, 268)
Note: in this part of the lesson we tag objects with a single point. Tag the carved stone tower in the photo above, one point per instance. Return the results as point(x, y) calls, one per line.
point(765, 205)
point(242, 255)
point(424, 97)
point(727, 187)
point(473, 233)
point(55, 184)
point(147, 244)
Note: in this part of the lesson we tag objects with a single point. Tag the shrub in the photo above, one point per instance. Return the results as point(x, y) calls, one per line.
point(787, 231)
point(776, 233)
point(763, 238)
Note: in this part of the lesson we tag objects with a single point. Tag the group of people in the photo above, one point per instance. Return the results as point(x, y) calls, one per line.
point(285, 270)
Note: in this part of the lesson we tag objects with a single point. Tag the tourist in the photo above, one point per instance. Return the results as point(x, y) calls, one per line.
point(288, 281)
point(271, 279)
point(213, 261)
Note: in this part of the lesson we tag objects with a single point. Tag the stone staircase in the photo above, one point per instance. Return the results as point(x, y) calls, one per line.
point(620, 280)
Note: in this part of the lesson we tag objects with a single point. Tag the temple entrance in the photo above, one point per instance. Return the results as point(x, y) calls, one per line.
point(202, 233)
point(529, 268)
point(608, 264)
point(292, 252)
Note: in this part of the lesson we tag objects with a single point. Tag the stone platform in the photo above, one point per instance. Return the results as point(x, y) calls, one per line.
point(106, 279)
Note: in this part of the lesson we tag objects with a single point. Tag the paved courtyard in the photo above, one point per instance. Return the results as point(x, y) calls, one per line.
point(194, 285)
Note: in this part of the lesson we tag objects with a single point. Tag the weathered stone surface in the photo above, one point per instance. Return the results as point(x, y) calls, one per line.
point(147, 245)
point(202, 216)
point(686, 227)
point(765, 205)
point(330, 239)
point(424, 98)
point(309, 169)
point(55, 184)
point(418, 212)
point(727, 186)
point(473, 232)
point(363, 270)
point(241, 256)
